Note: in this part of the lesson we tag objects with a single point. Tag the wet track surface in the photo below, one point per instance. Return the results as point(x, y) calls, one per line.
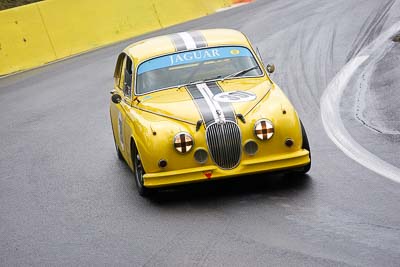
point(67, 200)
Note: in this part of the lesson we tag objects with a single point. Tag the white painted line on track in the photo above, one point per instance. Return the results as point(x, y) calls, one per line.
point(330, 111)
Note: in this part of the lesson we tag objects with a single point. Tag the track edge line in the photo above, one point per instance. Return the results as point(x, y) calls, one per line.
point(332, 121)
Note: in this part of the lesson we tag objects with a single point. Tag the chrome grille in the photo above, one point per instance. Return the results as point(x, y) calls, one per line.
point(224, 143)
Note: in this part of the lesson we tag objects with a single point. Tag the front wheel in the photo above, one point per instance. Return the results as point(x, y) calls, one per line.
point(138, 172)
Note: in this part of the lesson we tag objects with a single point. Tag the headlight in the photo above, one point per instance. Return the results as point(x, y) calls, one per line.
point(183, 142)
point(264, 129)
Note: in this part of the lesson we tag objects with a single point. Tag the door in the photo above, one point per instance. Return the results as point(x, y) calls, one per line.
point(123, 87)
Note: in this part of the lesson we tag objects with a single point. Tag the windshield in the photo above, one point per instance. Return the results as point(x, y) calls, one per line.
point(194, 66)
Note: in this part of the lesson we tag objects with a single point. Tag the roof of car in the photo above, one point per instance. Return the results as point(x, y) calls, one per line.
point(184, 41)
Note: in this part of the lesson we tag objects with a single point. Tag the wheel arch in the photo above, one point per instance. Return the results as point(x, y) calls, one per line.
point(132, 144)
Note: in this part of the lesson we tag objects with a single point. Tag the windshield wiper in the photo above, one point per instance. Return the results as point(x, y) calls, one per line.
point(201, 81)
point(219, 77)
point(240, 73)
point(205, 80)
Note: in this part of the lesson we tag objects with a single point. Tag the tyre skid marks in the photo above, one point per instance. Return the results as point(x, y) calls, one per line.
point(370, 28)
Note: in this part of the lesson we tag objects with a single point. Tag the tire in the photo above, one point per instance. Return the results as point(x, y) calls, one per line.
point(138, 172)
point(305, 145)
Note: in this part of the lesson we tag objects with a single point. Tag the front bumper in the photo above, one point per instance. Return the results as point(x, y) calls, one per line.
point(251, 166)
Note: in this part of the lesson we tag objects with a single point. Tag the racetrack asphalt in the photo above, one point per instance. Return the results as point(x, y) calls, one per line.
point(67, 200)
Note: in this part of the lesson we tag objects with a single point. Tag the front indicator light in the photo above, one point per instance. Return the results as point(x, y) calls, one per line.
point(264, 129)
point(183, 142)
point(162, 163)
point(289, 142)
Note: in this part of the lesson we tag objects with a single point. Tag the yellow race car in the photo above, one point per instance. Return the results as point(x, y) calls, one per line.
point(199, 105)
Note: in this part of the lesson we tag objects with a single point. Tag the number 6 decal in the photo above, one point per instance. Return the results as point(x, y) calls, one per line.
point(234, 96)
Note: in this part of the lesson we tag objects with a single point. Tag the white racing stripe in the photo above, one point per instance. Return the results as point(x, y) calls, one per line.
point(189, 41)
point(330, 111)
point(217, 106)
point(209, 101)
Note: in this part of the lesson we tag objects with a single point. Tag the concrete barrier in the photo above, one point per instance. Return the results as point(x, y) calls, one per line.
point(83, 25)
point(175, 11)
point(24, 42)
point(42, 32)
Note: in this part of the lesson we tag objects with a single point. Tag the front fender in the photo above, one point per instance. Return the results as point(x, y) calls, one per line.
point(154, 136)
point(278, 109)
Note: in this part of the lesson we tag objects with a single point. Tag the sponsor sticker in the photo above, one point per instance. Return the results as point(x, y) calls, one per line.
point(147, 97)
point(208, 174)
point(194, 56)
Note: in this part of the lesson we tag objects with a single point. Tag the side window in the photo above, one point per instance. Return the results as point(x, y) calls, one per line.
point(122, 75)
point(128, 77)
point(118, 73)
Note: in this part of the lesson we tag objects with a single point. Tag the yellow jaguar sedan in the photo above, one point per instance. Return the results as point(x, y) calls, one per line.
point(199, 105)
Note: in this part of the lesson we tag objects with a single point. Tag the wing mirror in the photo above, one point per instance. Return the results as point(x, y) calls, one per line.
point(270, 68)
point(116, 98)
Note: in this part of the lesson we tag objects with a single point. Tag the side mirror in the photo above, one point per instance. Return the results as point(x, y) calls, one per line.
point(116, 98)
point(270, 68)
